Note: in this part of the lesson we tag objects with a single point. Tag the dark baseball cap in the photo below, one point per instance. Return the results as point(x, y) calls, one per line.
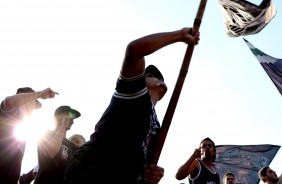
point(66, 108)
point(151, 69)
point(29, 90)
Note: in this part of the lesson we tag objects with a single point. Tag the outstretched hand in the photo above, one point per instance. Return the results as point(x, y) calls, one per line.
point(153, 174)
point(48, 93)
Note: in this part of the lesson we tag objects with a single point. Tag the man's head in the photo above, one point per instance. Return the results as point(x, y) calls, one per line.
point(208, 150)
point(228, 178)
point(29, 90)
point(267, 175)
point(154, 71)
point(62, 111)
point(155, 81)
point(77, 139)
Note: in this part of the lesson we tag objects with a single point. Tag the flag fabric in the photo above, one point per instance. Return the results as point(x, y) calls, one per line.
point(271, 65)
point(244, 161)
point(243, 18)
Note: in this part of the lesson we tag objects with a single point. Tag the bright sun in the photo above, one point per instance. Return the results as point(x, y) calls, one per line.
point(32, 128)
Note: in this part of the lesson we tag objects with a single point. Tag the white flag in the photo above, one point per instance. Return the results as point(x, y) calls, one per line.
point(245, 18)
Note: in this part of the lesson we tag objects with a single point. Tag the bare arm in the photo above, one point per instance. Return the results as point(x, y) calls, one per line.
point(134, 62)
point(189, 167)
point(53, 146)
point(18, 100)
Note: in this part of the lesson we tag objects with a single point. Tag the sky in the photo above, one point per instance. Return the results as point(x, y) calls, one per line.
point(76, 48)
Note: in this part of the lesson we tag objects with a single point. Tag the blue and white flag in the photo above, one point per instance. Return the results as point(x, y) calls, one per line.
point(244, 161)
point(243, 18)
point(271, 65)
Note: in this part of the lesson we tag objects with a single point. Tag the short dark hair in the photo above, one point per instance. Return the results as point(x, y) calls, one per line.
point(208, 139)
point(29, 90)
point(228, 174)
point(262, 173)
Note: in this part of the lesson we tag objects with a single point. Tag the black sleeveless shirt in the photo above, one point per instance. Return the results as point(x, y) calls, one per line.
point(205, 176)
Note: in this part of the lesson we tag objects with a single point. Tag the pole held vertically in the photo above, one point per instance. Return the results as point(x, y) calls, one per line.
point(177, 89)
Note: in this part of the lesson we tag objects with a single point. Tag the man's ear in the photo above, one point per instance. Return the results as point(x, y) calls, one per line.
point(264, 177)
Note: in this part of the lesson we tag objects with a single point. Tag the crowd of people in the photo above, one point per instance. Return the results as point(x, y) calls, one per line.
point(120, 148)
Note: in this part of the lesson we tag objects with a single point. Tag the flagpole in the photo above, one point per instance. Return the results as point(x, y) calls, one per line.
point(177, 89)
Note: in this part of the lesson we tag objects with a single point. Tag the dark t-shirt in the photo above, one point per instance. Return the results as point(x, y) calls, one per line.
point(51, 170)
point(118, 148)
point(205, 176)
point(11, 149)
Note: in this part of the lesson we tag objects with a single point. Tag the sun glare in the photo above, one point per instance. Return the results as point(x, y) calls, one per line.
point(32, 128)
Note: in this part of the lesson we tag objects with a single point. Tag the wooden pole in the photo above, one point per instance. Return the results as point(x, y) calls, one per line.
point(177, 89)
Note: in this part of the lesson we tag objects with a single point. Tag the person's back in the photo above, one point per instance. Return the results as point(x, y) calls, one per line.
point(116, 151)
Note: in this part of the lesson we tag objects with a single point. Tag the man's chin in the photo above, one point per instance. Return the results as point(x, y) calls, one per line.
point(275, 180)
point(207, 157)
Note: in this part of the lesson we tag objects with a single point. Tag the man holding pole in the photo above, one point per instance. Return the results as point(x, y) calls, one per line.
point(120, 148)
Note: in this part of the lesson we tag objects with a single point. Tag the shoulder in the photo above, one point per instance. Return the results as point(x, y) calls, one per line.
point(69, 143)
point(134, 87)
point(196, 165)
point(216, 169)
point(48, 134)
point(195, 169)
point(280, 179)
point(199, 161)
point(7, 115)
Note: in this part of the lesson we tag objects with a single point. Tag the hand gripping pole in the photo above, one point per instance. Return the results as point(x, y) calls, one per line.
point(177, 89)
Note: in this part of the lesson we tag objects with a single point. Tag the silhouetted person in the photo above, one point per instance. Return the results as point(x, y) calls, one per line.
point(54, 149)
point(119, 149)
point(12, 111)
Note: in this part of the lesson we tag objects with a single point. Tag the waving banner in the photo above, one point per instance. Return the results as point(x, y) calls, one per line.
point(244, 161)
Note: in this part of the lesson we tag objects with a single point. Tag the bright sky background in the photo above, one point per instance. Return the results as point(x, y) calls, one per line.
point(77, 47)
